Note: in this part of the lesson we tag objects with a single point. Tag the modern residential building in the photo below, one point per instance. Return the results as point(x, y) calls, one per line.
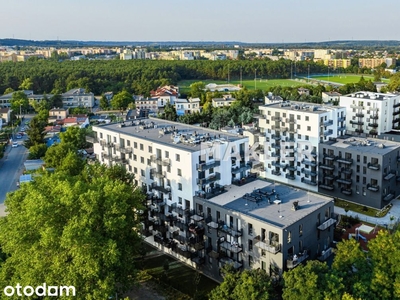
point(364, 171)
point(288, 138)
point(187, 106)
point(371, 113)
point(226, 100)
point(78, 98)
point(330, 97)
point(251, 226)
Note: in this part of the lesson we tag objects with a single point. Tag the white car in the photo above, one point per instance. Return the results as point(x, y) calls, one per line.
point(15, 145)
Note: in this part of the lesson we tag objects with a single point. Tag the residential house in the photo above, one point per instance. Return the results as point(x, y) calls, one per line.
point(78, 98)
point(5, 115)
point(187, 106)
point(330, 97)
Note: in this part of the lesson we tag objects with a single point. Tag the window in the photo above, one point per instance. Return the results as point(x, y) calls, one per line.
point(250, 261)
point(211, 170)
point(250, 228)
point(307, 118)
point(142, 172)
point(135, 145)
point(263, 253)
point(177, 157)
point(298, 117)
point(128, 143)
point(101, 135)
point(307, 137)
point(142, 160)
point(135, 170)
point(179, 186)
point(166, 154)
point(130, 168)
point(300, 229)
point(134, 157)
point(299, 136)
point(150, 149)
point(179, 200)
point(148, 162)
point(250, 245)
point(179, 172)
point(169, 169)
point(141, 147)
point(308, 128)
point(289, 237)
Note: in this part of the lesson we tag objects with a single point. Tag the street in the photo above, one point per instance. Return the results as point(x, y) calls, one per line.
point(11, 167)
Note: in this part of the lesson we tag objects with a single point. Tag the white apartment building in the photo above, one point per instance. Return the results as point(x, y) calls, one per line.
point(77, 98)
point(187, 106)
point(173, 161)
point(371, 113)
point(289, 137)
point(226, 100)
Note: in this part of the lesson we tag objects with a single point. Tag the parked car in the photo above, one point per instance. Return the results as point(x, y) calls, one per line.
point(15, 145)
point(19, 136)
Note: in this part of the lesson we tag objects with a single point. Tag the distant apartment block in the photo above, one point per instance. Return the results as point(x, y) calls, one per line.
point(371, 113)
point(376, 62)
point(337, 63)
point(288, 138)
point(364, 171)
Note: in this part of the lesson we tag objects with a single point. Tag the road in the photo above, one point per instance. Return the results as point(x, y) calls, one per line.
point(11, 167)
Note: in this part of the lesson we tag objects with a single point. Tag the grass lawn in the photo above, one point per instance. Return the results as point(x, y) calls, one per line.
point(356, 208)
point(179, 276)
point(262, 84)
point(345, 78)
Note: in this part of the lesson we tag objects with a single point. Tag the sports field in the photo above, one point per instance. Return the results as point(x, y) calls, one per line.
point(262, 84)
point(344, 78)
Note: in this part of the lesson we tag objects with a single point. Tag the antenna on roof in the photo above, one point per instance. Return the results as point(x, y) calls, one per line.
point(280, 211)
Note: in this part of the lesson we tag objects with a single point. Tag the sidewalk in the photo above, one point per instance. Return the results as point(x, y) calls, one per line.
point(394, 212)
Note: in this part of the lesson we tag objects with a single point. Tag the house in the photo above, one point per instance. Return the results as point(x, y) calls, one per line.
point(165, 94)
point(33, 164)
point(5, 115)
point(146, 104)
point(303, 91)
point(77, 120)
point(77, 98)
point(226, 100)
point(271, 98)
point(57, 114)
point(330, 97)
point(187, 106)
point(108, 95)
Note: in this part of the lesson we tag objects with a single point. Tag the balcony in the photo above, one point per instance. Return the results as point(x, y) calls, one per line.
point(328, 223)
point(396, 120)
point(205, 166)
point(232, 247)
point(290, 121)
point(212, 253)
point(327, 123)
point(341, 119)
point(347, 161)
point(161, 188)
point(291, 129)
point(107, 156)
point(276, 119)
point(329, 176)
point(309, 162)
point(179, 210)
point(309, 181)
point(328, 187)
point(123, 149)
point(359, 115)
point(347, 181)
point(375, 167)
point(325, 254)
point(290, 176)
point(91, 139)
point(356, 106)
point(279, 165)
point(346, 191)
point(373, 108)
point(388, 176)
point(209, 179)
point(396, 112)
point(329, 167)
point(267, 245)
point(329, 157)
point(341, 128)
point(276, 137)
point(295, 260)
point(308, 172)
point(292, 168)
point(160, 161)
point(231, 231)
point(276, 173)
point(241, 168)
point(374, 117)
point(373, 125)
point(356, 122)
point(373, 132)
point(276, 146)
point(276, 127)
point(346, 171)
point(373, 187)
point(235, 264)
point(388, 197)
point(157, 173)
point(396, 105)
point(327, 132)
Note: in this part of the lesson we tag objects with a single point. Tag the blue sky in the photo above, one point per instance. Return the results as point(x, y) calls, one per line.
point(188, 20)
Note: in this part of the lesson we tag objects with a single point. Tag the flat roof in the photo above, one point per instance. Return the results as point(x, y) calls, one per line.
point(173, 134)
point(302, 107)
point(268, 211)
point(364, 145)
point(371, 96)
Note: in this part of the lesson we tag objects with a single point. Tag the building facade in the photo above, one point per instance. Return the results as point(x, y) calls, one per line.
point(371, 113)
point(77, 98)
point(288, 140)
point(364, 171)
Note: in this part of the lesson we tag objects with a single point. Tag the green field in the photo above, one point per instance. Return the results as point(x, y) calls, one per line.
point(262, 84)
point(344, 78)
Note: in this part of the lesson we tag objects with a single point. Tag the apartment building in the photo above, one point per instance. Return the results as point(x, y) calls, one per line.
point(187, 106)
point(330, 97)
point(260, 225)
point(364, 171)
point(337, 63)
point(376, 62)
point(371, 113)
point(289, 137)
point(78, 98)
point(225, 101)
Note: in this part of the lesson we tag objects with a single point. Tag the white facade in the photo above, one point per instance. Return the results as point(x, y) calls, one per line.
point(187, 106)
point(173, 161)
point(289, 138)
point(371, 113)
point(222, 102)
point(77, 98)
point(329, 97)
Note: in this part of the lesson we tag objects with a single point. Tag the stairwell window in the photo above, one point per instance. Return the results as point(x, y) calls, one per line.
point(180, 186)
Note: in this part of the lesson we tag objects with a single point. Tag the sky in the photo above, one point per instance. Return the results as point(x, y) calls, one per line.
point(252, 21)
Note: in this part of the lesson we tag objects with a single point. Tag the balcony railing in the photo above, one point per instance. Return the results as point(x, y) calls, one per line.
point(276, 119)
point(327, 166)
point(231, 231)
point(209, 179)
point(373, 125)
point(356, 106)
point(327, 123)
point(279, 165)
point(325, 254)
point(388, 176)
point(388, 197)
point(235, 264)
point(344, 180)
point(290, 120)
point(308, 181)
point(290, 176)
point(341, 119)
point(157, 173)
point(276, 146)
point(276, 173)
point(276, 137)
point(373, 187)
point(374, 117)
point(241, 168)
point(294, 261)
point(232, 247)
point(356, 122)
point(267, 245)
point(328, 187)
point(327, 132)
point(161, 188)
point(359, 131)
point(205, 166)
point(375, 167)
point(309, 162)
point(308, 172)
point(329, 176)
point(359, 115)
point(346, 191)
point(91, 139)
point(328, 223)
point(396, 105)
point(329, 157)
point(292, 168)
point(347, 161)
point(373, 132)
point(396, 120)
point(123, 149)
point(396, 112)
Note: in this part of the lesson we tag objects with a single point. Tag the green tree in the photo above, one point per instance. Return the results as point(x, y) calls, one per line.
point(37, 151)
point(56, 101)
point(19, 101)
point(55, 154)
point(74, 136)
point(27, 84)
point(104, 104)
point(121, 100)
point(8, 91)
point(197, 89)
point(76, 230)
point(169, 112)
point(35, 131)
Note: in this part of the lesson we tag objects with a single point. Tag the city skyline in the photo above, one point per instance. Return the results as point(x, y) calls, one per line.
point(251, 22)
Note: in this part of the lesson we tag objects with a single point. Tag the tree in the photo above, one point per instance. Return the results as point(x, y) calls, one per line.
point(104, 104)
point(197, 89)
point(37, 151)
point(249, 284)
point(19, 101)
point(27, 84)
point(76, 230)
point(74, 136)
point(121, 100)
point(55, 154)
point(56, 101)
point(169, 112)
point(35, 131)
point(8, 91)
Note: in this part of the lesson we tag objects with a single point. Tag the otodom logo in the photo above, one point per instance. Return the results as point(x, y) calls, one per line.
point(41, 290)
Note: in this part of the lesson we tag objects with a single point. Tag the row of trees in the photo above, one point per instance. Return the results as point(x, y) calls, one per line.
point(354, 274)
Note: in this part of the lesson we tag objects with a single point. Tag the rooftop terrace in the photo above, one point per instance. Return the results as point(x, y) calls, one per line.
point(272, 203)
